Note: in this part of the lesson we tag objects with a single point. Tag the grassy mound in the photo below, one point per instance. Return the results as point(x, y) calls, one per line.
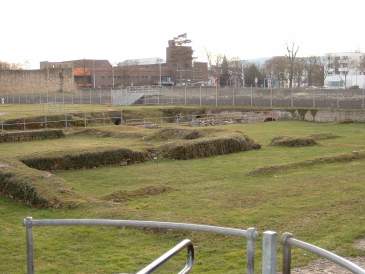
point(79, 160)
point(34, 187)
point(207, 147)
point(293, 141)
point(345, 157)
point(123, 196)
point(24, 136)
point(175, 133)
point(323, 136)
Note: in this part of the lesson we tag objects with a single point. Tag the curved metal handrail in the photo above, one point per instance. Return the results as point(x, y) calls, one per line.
point(169, 254)
point(250, 234)
point(289, 241)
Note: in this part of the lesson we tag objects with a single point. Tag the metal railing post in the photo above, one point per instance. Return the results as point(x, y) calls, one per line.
point(286, 253)
point(269, 252)
point(30, 246)
point(251, 239)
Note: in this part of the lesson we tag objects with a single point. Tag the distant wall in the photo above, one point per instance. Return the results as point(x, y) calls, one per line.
point(47, 80)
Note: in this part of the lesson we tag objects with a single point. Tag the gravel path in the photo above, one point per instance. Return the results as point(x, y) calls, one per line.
point(324, 266)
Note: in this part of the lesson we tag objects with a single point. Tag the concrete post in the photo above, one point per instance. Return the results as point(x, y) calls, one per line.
point(269, 252)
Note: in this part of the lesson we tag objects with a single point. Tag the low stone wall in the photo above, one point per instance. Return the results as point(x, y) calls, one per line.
point(327, 116)
point(24, 136)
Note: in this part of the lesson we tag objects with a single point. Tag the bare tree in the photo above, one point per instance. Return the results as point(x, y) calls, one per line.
point(277, 68)
point(9, 66)
point(292, 55)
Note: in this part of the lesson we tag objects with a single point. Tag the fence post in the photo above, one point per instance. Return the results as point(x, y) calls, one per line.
point(24, 124)
point(269, 252)
point(200, 95)
point(291, 98)
point(251, 96)
point(66, 120)
point(271, 94)
point(90, 97)
point(185, 95)
point(30, 247)
point(233, 99)
point(2, 125)
point(251, 237)
point(45, 121)
point(314, 99)
point(286, 253)
point(216, 94)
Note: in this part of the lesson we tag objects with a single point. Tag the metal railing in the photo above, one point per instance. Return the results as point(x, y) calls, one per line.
point(169, 254)
point(250, 234)
point(288, 242)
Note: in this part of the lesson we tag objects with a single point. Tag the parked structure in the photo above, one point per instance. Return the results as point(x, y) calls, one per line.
point(344, 69)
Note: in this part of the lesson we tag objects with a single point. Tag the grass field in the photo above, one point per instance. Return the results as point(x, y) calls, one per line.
point(322, 204)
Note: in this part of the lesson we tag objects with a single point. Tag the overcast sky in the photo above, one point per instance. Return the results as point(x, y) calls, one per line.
point(37, 30)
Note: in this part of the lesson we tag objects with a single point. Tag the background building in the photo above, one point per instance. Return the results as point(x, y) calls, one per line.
point(178, 68)
point(344, 70)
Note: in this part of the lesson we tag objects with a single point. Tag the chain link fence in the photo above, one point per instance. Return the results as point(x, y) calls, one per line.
point(201, 96)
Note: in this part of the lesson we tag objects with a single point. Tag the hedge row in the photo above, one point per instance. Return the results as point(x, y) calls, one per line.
point(81, 160)
point(207, 147)
point(30, 135)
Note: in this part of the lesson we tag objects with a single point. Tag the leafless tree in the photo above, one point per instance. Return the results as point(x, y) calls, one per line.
point(292, 52)
point(9, 66)
point(277, 68)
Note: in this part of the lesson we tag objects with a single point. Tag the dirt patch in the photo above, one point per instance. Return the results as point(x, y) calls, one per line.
point(346, 157)
point(123, 196)
point(293, 141)
point(360, 244)
point(175, 133)
point(23, 136)
point(322, 266)
point(323, 136)
point(207, 147)
point(80, 160)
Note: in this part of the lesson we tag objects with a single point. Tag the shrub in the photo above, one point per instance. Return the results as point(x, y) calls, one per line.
point(293, 141)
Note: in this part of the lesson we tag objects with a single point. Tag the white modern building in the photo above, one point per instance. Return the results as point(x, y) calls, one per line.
point(344, 70)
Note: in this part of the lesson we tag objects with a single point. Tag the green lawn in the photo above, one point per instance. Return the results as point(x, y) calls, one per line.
point(321, 204)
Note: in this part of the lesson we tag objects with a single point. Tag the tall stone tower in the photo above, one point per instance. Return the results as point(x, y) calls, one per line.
point(179, 59)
